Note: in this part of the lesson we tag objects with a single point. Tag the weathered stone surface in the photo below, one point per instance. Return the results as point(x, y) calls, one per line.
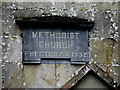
point(64, 72)
point(103, 52)
point(0, 20)
point(0, 35)
point(8, 23)
point(119, 62)
point(13, 49)
point(13, 75)
point(107, 5)
point(27, 13)
point(0, 62)
point(114, 73)
point(0, 47)
point(0, 3)
point(39, 76)
point(106, 25)
point(91, 81)
point(83, 5)
point(35, 5)
point(0, 75)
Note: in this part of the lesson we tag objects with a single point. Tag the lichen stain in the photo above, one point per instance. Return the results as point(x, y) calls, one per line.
point(109, 44)
point(108, 55)
point(82, 9)
point(108, 47)
point(14, 38)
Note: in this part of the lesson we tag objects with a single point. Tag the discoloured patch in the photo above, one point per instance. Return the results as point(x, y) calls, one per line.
point(58, 65)
point(13, 38)
point(39, 76)
point(11, 72)
point(47, 81)
point(58, 77)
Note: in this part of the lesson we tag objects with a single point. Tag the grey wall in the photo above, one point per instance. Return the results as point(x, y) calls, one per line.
point(103, 42)
point(92, 81)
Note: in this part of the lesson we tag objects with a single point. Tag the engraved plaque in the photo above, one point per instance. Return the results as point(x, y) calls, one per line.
point(41, 44)
point(55, 39)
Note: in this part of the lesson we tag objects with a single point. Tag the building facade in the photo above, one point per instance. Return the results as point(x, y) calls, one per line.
point(103, 40)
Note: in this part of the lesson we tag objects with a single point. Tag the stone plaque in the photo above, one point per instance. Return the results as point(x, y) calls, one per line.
point(57, 44)
point(55, 39)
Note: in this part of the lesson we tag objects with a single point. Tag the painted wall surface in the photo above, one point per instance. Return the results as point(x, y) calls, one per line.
point(103, 42)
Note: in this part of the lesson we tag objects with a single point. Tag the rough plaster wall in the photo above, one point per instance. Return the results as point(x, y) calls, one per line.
point(103, 49)
point(0, 47)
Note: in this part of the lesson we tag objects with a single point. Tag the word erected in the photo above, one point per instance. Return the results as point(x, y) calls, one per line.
point(55, 54)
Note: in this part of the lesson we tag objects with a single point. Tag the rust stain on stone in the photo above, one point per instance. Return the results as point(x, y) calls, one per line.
point(58, 77)
point(47, 81)
point(58, 65)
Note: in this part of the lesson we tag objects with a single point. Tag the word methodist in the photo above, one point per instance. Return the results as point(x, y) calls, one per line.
point(55, 43)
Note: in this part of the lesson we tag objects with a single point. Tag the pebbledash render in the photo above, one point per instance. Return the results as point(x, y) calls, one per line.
point(100, 71)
